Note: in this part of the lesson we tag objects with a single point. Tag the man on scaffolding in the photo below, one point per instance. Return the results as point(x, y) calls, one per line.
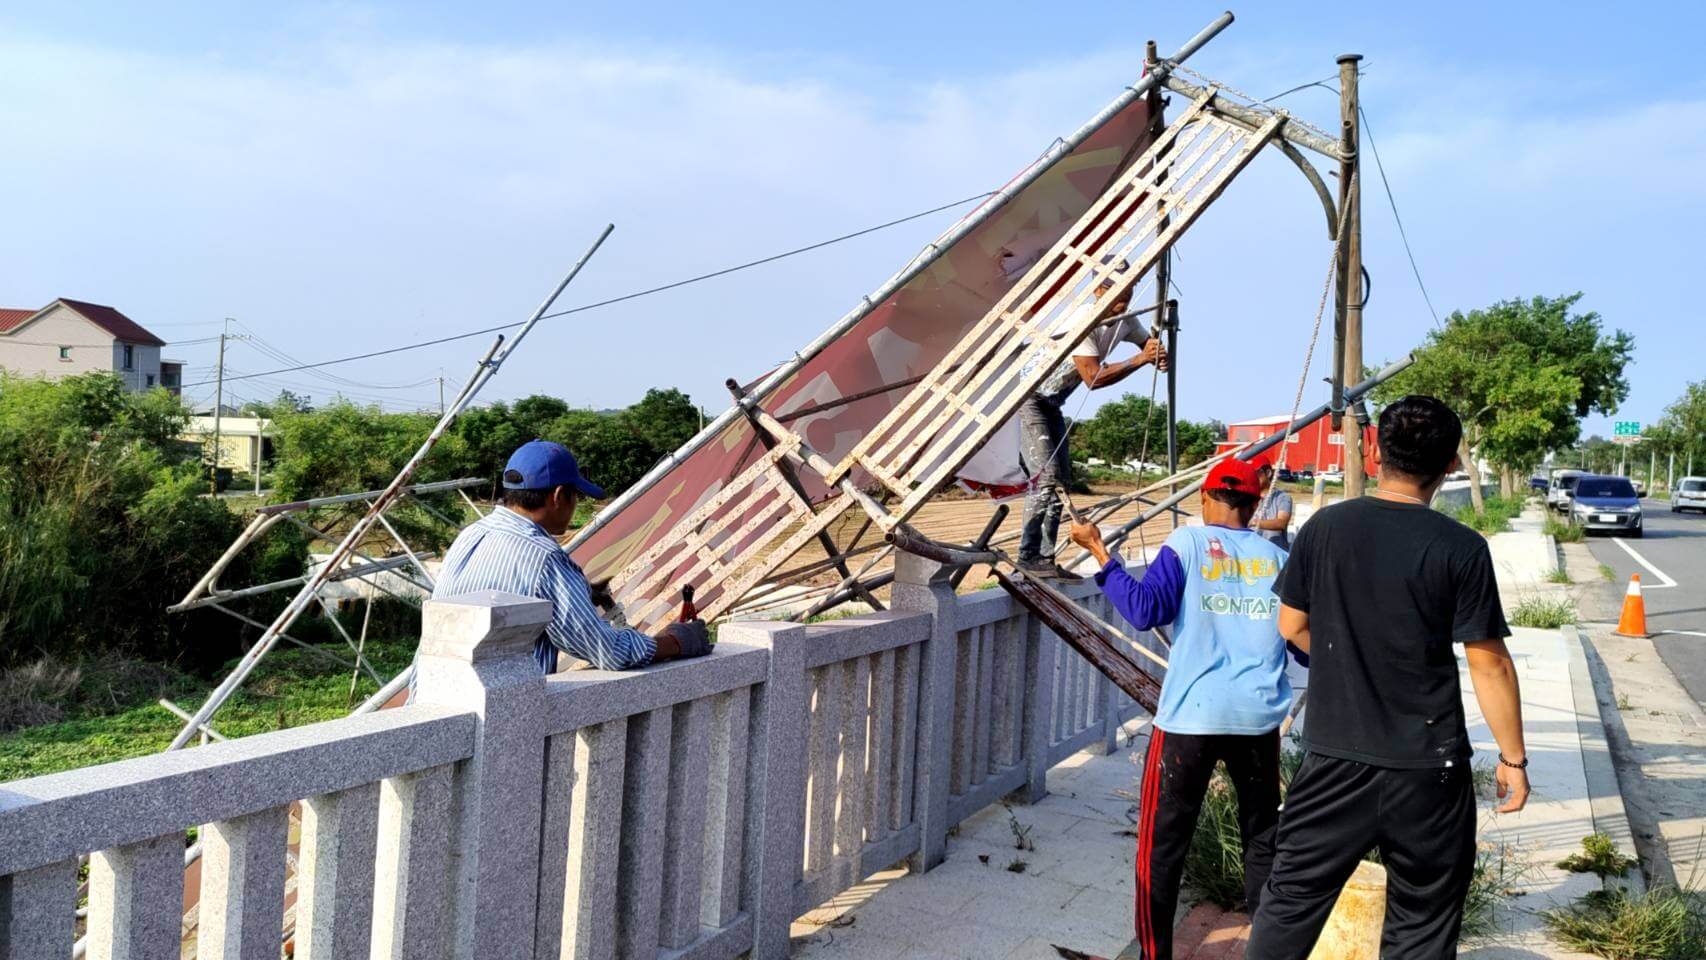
point(1043, 445)
point(514, 549)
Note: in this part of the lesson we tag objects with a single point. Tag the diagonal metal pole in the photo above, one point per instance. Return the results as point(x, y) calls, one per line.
point(483, 373)
point(408, 551)
point(1349, 396)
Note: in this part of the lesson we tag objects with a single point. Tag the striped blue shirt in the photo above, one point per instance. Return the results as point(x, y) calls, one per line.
point(506, 551)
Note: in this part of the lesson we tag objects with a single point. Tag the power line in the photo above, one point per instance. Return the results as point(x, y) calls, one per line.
point(1400, 220)
point(627, 296)
point(1322, 83)
point(1384, 183)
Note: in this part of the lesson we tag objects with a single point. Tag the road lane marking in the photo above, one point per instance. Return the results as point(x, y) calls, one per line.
point(1643, 561)
point(1686, 633)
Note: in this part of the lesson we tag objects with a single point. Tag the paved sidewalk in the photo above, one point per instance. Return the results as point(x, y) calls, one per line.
point(991, 900)
point(1075, 888)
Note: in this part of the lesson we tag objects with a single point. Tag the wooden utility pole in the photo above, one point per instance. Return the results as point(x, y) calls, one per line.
point(218, 407)
point(1350, 262)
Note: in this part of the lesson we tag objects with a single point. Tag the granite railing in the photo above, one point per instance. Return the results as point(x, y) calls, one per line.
point(691, 810)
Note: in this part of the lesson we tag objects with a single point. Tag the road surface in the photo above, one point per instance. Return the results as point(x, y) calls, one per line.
point(1671, 559)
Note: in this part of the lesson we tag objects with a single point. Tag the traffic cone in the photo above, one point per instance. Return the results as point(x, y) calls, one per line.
point(1633, 621)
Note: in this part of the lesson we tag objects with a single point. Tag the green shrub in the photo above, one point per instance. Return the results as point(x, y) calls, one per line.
point(1663, 924)
point(103, 524)
point(1547, 614)
point(1496, 519)
point(1563, 531)
point(1599, 856)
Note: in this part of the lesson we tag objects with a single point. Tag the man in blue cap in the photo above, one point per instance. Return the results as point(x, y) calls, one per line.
point(514, 549)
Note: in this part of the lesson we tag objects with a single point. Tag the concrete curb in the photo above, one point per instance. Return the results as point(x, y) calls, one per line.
point(1605, 798)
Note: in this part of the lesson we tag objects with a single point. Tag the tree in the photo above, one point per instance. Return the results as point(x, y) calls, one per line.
point(1686, 419)
point(609, 451)
point(531, 414)
point(1521, 374)
point(664, 419)
point(286, 403)
point(103, 524)
point(1116, 433)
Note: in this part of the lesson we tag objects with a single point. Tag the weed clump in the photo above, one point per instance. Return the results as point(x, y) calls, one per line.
point(1547, 614)
point(1598, 856)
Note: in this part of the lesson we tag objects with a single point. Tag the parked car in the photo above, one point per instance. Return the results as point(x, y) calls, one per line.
point(1539, 483)
point(1608, 504)
point(1333, 476)
point(1287, 475)
point(1563, 484)
point(1690, 494)
point(1640, 487)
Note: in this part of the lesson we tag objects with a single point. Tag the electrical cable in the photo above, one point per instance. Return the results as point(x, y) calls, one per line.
point(1393, 203)
point(630, 296)
point(1385, 184)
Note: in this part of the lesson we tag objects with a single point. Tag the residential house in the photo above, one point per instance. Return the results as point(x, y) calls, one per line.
point(69, 337)
point(243, 441)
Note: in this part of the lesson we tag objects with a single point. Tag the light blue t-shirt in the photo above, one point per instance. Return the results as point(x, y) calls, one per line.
point(1226, 672)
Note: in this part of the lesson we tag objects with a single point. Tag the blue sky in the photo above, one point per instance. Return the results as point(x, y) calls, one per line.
point(350, 177)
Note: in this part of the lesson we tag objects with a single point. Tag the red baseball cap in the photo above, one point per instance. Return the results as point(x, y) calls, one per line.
point(1237, 476)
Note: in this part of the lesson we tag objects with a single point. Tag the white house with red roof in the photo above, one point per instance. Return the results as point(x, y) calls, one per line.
point(68, 337)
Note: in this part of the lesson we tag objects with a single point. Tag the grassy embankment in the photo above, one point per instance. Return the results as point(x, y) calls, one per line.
point(109, 711)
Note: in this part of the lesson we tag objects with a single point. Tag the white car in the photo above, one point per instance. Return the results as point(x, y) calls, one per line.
point(1563, 487)
point(1690, 494)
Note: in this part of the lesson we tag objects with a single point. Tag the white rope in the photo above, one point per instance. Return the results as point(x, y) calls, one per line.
point(1314, 337)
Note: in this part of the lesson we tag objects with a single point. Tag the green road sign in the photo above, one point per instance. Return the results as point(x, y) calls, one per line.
point(1627, 428)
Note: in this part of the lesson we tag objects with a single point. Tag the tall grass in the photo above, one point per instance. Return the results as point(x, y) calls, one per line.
point(1664, 923)
point(112, 713)
point(1214, 862)
point(1496, 519)
point(1543, 612)
point(1563, 531)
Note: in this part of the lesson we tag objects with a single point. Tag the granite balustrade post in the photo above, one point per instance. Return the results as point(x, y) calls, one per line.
point(1042, 647)
point(476, 654)
point(921, 586)
point(776, 785)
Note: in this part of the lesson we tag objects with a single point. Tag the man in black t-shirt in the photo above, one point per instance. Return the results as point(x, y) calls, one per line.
point(1377, 590)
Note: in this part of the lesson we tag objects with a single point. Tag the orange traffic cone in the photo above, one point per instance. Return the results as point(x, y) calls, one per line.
point(1633, 621)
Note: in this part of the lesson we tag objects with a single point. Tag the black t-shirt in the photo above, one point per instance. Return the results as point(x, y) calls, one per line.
point(1389, 587)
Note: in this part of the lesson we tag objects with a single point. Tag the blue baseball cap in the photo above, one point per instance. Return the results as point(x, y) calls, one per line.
point(544, 465)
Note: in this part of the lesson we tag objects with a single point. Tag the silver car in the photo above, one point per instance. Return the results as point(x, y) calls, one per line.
point(1690, 494)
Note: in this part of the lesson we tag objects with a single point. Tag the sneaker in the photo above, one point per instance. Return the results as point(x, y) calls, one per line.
point(1040, 569)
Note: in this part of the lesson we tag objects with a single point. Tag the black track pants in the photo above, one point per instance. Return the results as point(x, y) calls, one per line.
point(1175, 777)
point(1421, 821)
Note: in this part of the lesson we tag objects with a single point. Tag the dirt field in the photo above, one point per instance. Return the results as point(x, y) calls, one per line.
point(960, 519)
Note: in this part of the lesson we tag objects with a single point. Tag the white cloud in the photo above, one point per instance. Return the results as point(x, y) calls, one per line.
point(344, 196)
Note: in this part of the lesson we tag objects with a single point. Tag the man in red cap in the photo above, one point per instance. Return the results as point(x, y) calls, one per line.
point(1224, 695)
